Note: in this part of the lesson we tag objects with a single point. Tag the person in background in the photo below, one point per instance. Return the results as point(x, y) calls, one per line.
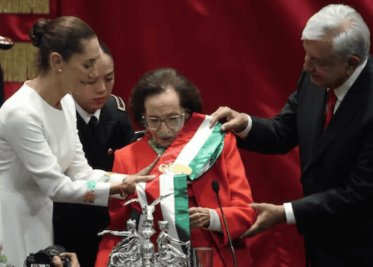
point(41, 157)
point(168, 104)
point(330, 117)
point(112, 131)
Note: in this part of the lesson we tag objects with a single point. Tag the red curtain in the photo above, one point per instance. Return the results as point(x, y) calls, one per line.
point(246, 54)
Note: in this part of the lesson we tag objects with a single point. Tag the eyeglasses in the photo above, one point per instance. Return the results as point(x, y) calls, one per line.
point(173, 122)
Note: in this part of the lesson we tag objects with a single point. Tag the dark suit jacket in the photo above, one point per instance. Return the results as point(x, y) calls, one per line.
point(335, 216)
point(76, 226)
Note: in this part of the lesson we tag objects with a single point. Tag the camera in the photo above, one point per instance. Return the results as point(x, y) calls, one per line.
point(44, 257)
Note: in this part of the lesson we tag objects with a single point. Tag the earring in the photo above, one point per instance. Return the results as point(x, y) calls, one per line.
point(59, 70)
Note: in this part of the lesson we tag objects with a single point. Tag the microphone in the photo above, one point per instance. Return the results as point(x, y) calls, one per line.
point(215, 187)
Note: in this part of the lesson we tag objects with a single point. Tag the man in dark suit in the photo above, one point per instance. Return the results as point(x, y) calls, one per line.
point(335, 215)
point(104, 126)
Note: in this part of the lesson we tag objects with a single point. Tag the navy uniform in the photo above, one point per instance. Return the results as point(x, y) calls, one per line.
point(76, 226)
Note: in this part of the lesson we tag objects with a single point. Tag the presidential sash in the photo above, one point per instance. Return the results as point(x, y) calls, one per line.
point(189, 156)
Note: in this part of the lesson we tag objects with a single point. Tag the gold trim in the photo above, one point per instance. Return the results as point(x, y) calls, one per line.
point(18, 63)
point(24, 6)
point(177, 168)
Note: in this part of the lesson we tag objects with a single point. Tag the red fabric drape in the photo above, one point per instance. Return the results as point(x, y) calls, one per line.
point(246, 54)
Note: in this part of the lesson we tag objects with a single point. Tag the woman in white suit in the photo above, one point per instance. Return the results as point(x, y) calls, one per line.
point(41, 157)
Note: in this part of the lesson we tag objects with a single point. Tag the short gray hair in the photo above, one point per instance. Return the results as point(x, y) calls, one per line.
point(344, 27)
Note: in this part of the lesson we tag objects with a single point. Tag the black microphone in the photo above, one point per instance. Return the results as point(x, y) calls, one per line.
point(215, 187)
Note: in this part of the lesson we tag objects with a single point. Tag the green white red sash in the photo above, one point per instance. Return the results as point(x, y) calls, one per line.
point(190, 155)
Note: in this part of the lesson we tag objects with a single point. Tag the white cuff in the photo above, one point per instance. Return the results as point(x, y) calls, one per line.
point(215, 224)
point(289, 213)
point(101, 193)
point(246, 131)
point(116, 177)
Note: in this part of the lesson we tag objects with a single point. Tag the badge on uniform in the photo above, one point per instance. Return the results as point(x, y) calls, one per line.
point(178, 168)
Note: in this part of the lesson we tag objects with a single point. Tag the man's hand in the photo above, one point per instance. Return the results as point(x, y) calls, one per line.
point(199, 217)
point(232, 120)
point(268, 216)
point(130, 181)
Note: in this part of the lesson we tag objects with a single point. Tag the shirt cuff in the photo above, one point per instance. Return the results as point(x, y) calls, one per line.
point(246, 131)
point(289, 213)
point(116, 177)
point(100, 194)
point(215, 224)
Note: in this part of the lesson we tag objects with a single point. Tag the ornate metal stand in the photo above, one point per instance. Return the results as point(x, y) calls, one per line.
point(137, 250)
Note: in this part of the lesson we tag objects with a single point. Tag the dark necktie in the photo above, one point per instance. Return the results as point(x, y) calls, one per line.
point(330, 104)
point(92, 124)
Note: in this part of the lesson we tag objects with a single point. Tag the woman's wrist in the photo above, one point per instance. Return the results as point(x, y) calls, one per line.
point(115, 189)
point(119, 189)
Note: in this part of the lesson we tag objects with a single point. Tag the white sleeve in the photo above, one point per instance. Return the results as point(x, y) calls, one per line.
point(36, 155)
point(215, 224)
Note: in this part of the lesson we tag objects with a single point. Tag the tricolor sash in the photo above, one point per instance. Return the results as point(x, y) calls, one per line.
point(189, 156)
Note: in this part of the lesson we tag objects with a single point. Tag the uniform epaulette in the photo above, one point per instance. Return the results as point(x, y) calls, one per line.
point(120, 103)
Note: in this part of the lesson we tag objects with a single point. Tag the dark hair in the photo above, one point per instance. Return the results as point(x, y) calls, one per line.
point(105, 49)
point(44, 257)
point(62, 35)
point(155, 82)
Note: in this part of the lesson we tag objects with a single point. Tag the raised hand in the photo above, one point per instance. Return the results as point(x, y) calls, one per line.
point(130, 181)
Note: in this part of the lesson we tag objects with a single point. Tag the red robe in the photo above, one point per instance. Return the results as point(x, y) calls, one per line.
point(235, 195)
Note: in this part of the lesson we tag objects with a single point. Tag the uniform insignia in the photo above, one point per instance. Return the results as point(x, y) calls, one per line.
point(177, 168)
point(120, 103)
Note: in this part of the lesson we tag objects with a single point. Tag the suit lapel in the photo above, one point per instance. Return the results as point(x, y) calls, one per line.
point(311, 101)
point(343, 118)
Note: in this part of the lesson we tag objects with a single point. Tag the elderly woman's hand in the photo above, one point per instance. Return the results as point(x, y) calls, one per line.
point(199, 217)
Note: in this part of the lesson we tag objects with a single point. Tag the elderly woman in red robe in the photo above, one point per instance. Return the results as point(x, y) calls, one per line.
point(193, 155)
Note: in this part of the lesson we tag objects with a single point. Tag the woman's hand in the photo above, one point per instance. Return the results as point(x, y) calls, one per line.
point(130, 181)
point(199, 217)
